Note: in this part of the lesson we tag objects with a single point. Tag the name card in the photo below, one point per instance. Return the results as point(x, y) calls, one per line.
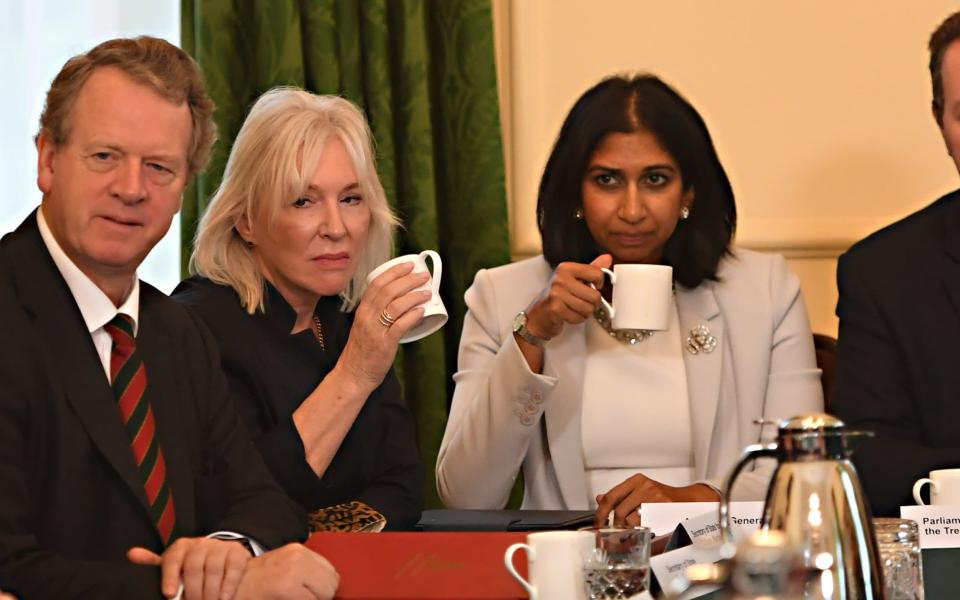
point(663, 517)
point(671, 565)
point(939, 525)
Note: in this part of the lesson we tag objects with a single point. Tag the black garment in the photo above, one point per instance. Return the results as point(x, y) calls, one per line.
point(270, 372)
point(71, 499)
point(898, 365)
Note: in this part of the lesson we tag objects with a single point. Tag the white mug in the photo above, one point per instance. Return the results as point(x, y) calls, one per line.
point(641, 296)
point(434, 312)
point(944, 487)
point(555, 564)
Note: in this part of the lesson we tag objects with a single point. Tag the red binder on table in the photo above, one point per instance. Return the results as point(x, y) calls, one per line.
point(422, 566)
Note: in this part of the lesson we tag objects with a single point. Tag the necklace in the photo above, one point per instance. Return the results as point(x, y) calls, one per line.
point(318, 332)
point(627, 336)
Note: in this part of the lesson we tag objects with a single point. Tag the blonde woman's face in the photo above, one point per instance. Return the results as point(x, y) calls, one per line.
point(314, 245)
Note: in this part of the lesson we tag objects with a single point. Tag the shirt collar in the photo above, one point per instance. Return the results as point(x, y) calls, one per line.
point(97, 309)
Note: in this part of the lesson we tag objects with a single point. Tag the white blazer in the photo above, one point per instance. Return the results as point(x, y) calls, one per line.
point(505, 417)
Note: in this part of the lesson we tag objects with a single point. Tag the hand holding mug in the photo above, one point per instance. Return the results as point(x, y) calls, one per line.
point(389, 308)
point(570, 297)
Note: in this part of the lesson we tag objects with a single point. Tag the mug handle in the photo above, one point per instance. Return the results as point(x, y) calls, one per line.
point(919, 485)
point(437, 272)
point(613, 280)
point(508, 563)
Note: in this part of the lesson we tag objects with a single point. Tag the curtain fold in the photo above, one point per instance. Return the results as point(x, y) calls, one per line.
point(424, 72)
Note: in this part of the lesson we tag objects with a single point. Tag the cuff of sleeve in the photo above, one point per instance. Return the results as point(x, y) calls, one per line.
point(531, 390)
point(513, 354)
point(713, 484)
point(254, 546)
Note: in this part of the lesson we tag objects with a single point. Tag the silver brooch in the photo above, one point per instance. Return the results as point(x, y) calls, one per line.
point(701, 340)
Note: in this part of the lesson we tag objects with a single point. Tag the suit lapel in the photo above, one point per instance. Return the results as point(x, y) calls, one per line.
point(566, 354)
point(45, 295)
point(698, 306)
point(162, 393)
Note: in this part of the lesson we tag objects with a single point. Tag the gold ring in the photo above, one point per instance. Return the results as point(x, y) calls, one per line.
point(385, 319)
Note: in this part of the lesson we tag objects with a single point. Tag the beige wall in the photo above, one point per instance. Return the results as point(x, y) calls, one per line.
point(819, 109)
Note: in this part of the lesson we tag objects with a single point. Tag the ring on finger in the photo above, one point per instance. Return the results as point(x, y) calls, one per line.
point(386, 319)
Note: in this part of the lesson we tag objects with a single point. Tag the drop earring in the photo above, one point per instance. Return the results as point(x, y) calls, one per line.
point(684, 213)
point(578, 215)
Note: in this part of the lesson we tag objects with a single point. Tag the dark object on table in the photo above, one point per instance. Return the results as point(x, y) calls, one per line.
point(503, 520)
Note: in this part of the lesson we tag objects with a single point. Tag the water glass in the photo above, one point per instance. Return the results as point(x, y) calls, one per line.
point(618, 564)
point(899, 543)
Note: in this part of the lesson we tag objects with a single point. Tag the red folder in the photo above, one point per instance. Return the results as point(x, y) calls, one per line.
point(422, 566)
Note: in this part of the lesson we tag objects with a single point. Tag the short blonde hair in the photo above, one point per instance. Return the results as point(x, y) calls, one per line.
point(271, 163)
point(149, 61)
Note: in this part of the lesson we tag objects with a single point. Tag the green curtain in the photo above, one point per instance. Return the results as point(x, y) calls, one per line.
point(424, 72)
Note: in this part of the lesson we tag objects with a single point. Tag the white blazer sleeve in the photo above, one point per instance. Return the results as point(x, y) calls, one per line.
point(497, 405)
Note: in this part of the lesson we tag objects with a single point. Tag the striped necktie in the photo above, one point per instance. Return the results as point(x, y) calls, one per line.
point(129, 381)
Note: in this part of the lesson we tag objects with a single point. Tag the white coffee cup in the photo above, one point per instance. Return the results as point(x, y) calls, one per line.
point(555, 564)
point(434, 312)
point(944, 487)
point(642, 295)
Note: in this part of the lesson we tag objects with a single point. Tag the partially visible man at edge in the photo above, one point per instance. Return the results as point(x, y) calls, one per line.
point(124, 471)
point(898, 370)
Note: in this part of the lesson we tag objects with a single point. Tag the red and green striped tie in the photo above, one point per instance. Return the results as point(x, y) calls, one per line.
point(129, 377)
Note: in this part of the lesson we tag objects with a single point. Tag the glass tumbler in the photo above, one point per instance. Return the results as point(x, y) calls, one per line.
point(899, 543)
point(618, 565)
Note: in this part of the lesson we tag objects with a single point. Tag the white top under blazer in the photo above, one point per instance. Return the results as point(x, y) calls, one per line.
point(635, 416)
point(505, 418)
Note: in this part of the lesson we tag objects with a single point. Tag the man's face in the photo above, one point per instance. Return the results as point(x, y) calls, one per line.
point(950, 71)
point(112, 189)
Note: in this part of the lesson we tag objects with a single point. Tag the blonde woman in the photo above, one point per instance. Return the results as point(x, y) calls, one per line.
point(280, 262)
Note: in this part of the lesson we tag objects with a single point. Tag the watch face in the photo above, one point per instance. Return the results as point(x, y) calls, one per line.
point(519, 321)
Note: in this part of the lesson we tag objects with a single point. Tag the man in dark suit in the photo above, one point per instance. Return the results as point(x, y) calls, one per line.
point(898, 369)
point(124, 470)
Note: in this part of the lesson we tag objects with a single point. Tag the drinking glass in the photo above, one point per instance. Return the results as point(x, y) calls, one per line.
point(899, 543)
point(618, 564)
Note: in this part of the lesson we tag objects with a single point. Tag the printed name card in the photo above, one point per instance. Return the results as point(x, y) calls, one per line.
point(670, 565)
point(939, 525)
point(663, 518)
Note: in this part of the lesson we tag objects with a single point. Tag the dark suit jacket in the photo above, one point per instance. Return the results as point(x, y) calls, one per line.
point(271, 372)
point(71, 501)
point(898, 364)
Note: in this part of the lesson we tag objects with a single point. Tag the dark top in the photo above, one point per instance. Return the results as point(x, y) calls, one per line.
point(71, 498)
point(270, 372)
point(898, 361)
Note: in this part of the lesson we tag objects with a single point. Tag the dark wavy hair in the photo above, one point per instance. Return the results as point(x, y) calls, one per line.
point(625, 105)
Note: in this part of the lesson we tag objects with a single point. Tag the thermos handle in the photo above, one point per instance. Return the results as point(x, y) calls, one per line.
point(750, 453)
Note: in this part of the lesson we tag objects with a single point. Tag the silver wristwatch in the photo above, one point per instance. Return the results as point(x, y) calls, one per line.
point(520, 328)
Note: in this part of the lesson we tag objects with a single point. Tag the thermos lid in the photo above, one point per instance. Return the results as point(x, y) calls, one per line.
point(812, 423)
point(817, 436)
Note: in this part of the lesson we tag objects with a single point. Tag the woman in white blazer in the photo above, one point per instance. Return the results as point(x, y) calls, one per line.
point(608, 419)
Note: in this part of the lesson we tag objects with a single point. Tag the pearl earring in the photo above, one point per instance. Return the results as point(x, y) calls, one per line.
point(684, 213)
point(578, 215)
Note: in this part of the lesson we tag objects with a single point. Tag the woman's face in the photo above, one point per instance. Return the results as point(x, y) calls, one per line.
point(315, 242)
point(632, 196)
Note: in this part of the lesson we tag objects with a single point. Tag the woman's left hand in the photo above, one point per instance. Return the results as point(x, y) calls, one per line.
point(372, 344)
point(625, 498)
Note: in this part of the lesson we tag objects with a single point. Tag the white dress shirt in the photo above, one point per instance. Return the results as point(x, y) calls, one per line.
point(97, 309)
